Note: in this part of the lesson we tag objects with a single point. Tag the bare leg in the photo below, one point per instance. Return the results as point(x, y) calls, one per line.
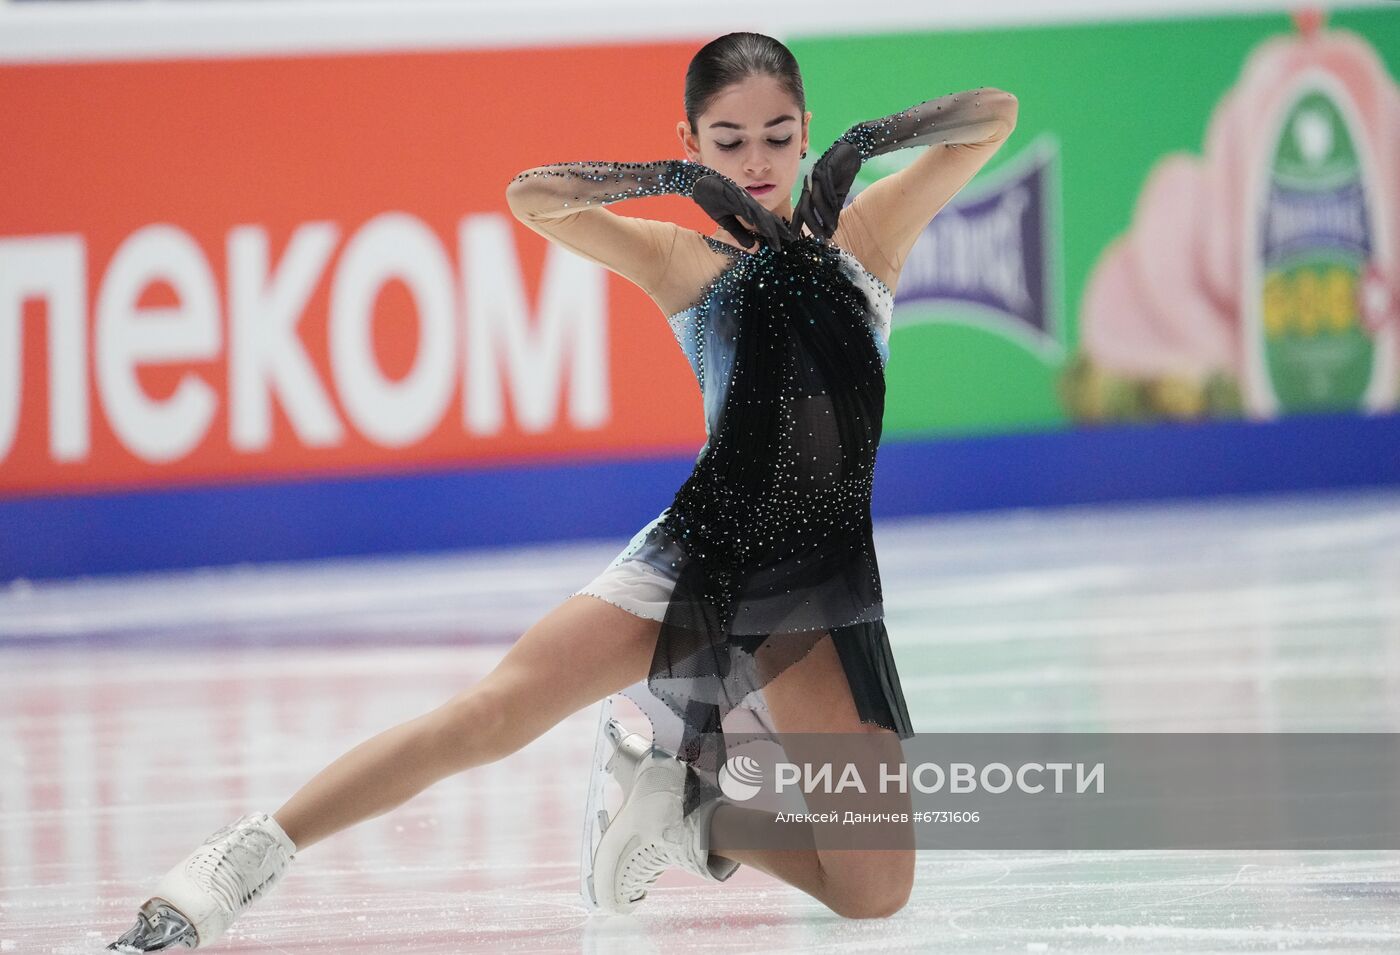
point(582, 651)
point(813, 696)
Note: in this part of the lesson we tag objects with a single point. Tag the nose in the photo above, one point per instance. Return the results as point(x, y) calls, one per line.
point(755, 162)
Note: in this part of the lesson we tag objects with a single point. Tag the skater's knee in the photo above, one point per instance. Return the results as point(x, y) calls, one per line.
point(872, 901)
point(872, 885)
point(471, 727)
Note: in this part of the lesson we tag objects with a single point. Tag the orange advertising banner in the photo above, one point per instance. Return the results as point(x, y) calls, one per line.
point(283, 266)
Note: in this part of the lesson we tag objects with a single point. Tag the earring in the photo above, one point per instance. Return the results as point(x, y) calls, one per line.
point(804, 155)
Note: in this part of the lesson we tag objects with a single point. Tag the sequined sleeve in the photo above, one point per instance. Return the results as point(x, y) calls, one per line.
point(970, 116)
point(885, 219)
point(564, 203)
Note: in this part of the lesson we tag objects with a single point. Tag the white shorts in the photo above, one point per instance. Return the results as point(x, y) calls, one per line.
point(641, 589)
point(633, 585)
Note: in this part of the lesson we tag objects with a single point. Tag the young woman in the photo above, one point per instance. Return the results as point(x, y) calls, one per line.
point(758, 586)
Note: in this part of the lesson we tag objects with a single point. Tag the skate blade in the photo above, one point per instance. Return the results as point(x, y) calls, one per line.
point(594, 816)
point(159, 928)
point(613, 743)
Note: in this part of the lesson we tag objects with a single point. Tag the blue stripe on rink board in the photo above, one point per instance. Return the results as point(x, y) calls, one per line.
point(68, 535)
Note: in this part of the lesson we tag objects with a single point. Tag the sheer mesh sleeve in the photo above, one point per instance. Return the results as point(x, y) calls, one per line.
point(885, 219)
point(564, 203)
point(557, 188)
point(968, 117)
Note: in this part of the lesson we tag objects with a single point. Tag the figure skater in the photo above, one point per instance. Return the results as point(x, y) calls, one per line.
point(758, 585)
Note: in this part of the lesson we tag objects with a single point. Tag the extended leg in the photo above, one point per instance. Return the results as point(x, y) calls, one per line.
point(582, 651)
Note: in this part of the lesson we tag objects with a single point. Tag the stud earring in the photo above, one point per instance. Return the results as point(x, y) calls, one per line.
point(804, 155)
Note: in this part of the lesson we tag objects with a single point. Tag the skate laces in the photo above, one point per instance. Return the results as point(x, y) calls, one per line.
point(644, 867)
point(236, 863)
point(649, 860)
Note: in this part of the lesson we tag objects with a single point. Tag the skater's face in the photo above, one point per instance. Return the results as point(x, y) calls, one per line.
point(754, 133)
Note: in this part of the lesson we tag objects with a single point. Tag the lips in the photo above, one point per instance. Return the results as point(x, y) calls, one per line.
point(760, 190)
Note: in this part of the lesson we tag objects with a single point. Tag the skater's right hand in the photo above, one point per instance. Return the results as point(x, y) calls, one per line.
point(724, 200)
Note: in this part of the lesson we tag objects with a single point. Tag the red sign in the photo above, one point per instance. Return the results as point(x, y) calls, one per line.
point(306, 265)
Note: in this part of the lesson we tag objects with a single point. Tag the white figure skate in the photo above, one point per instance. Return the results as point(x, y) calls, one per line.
point(648, 834)
point(195, 902)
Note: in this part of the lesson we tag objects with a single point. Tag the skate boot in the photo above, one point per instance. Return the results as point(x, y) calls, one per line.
point(648, 833)
point(195, 902)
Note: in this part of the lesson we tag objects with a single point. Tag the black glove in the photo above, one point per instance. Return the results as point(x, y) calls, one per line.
point(724, 200)
point(825, 190)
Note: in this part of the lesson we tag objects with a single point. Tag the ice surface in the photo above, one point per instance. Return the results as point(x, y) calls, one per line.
point(139, 714)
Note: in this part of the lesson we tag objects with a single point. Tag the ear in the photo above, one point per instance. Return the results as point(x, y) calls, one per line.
point(688, 143)
point(806, 128)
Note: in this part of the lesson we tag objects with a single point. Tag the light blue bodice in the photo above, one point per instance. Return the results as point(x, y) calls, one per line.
point(706, 330)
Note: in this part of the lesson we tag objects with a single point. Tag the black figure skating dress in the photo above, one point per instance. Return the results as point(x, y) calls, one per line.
point(766, 548)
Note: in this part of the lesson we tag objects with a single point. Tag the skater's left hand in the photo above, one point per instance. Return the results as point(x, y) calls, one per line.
point(825, 189)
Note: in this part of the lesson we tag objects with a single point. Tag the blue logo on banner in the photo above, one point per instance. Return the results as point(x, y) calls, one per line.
point(994, 247)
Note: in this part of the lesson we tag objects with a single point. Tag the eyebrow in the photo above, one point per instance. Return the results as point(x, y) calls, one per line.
point(772, 122)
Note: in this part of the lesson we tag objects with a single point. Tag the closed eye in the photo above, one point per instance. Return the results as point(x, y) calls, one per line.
point(731, 146)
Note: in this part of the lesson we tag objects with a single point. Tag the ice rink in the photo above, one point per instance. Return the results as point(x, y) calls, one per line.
point(138, 715)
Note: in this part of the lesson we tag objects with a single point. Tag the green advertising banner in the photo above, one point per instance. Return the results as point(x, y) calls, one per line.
point(1195, 218)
